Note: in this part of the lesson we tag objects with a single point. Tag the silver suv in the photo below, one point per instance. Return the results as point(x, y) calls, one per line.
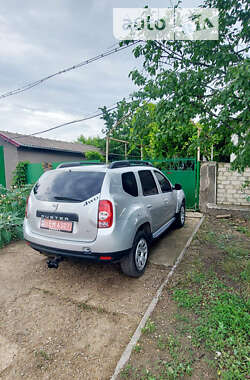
point(102, 213)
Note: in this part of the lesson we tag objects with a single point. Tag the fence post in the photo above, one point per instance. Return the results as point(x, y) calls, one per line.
point(107, 149)
point(2, 167)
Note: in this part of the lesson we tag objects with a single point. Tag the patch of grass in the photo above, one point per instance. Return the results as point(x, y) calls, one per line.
point(181, 318)
point(210, 236)
point(137, 348)
point(222, 326)
point(196, 276)
point(175, 370)
point(149, 328)
point(85, 306)
point(176, 366)
point(230, 266)
point(126, 372)
point(245, 274)
point(243, 230)
point(43, 355)
point(185, 299)
point(237, 252)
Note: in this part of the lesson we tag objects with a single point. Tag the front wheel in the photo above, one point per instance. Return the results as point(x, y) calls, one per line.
point(180, 217)
point(135, 263)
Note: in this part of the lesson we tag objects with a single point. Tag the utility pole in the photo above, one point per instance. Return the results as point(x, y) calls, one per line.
point(107, 149)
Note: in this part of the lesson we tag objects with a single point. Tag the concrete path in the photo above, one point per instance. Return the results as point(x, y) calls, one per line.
point(166, 249)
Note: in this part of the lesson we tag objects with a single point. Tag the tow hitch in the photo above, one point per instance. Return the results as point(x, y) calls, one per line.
point(54, 262)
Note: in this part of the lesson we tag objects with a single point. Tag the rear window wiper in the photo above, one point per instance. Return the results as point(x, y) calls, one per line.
point(68, 199)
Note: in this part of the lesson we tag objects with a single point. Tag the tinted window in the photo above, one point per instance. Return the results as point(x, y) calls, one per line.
point(147, 182)
point(68, 186)
point(129, 184)
point(164, 183)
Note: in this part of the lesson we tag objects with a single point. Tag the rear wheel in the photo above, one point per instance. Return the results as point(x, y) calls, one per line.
point(135, 263)
point(180, 218)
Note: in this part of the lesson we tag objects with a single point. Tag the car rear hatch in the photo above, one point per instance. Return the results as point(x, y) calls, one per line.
point(64, 204)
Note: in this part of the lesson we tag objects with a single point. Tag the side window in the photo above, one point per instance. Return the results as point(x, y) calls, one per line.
point(147, 182)
point(129, 184)
point(164, 183)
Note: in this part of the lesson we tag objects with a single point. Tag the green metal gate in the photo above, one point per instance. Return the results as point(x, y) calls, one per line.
point(34, 171)
point(186, 172)
point(2, 168)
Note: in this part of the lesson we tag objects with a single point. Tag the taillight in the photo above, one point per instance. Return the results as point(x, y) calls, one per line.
point(105, 214)
point(26, 209)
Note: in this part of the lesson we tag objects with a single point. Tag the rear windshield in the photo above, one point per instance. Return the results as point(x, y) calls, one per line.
point(68, 186)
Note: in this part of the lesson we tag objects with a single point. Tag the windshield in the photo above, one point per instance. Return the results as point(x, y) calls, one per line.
point(68, 186)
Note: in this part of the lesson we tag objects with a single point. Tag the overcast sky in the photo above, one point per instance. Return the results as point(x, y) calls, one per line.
point(39, 38)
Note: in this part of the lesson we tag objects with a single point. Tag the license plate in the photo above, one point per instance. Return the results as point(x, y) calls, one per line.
point(56, 225)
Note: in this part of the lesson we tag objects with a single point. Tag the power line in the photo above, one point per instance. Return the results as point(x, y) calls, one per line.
point(80, 120)
point(83, 63)
point(67, 123)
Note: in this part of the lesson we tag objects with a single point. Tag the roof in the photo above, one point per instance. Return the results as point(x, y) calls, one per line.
point(26, 141)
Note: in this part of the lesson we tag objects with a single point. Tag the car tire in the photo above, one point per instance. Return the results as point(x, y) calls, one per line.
point(180, 217)
point(135, 263)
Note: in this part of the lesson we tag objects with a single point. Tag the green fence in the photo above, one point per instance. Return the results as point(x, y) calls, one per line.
point(2, 168)
point(34, 171)
point(184, 171)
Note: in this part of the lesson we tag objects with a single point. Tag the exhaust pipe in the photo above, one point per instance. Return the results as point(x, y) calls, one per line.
point(54, 263)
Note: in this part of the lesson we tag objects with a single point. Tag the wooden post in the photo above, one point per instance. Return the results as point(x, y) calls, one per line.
point(126, 152)
point(199, 149)
point(212, 153)
point(107, 149)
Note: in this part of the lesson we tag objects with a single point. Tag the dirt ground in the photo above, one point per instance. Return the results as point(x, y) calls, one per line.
point(73, 322)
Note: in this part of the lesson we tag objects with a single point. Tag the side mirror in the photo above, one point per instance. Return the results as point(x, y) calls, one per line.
point(177, 186)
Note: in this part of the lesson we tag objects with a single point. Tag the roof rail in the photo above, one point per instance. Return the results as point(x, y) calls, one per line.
point(77, 163)
point(127, 163)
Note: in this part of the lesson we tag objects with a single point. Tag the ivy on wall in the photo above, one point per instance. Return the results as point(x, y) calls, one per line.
point(20, 174)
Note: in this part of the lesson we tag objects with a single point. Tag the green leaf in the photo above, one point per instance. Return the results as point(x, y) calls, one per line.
point(5, 236)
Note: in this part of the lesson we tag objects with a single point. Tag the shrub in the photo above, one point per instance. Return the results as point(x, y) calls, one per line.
point(12, 210)
point(92, 155)
point(20, 174)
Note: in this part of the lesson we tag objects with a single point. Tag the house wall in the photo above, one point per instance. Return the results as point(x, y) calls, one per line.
point(229, 186)
point(10, 160)
point(12, 156)
point(36, 156)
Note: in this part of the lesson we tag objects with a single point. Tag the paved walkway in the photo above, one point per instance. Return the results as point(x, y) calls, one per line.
point(166, 250)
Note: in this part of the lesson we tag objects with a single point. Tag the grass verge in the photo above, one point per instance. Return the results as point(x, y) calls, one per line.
point(200, 327)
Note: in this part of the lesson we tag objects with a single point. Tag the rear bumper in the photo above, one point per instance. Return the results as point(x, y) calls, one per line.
point(98, 257)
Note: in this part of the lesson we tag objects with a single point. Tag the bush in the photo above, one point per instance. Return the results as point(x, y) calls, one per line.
point(20, 174)
point(12, 210)
point(92, 155)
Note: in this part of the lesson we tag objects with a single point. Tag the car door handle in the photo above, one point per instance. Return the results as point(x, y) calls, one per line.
point(149, 206)
point(166, 201)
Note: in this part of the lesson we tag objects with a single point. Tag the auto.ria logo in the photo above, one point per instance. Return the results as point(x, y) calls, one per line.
point(165, 23)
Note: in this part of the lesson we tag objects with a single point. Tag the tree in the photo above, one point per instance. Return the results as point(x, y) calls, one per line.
point(142, 128)
point(118, 125)
point(92, 156)
point(205, 80)
point(94, 141)
point(158, 139)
